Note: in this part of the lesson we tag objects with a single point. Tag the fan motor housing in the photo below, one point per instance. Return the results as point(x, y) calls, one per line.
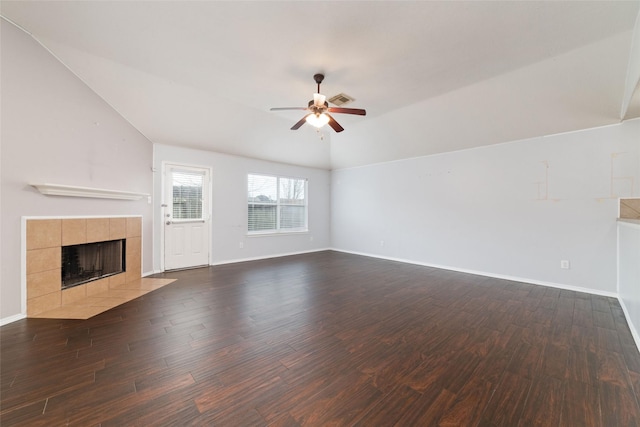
point(317, 110)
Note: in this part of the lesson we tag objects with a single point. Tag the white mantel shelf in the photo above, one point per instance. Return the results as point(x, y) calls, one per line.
point(629, 222)
point(96, 193)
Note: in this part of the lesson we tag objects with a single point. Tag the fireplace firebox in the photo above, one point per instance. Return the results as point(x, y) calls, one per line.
point(91, 261)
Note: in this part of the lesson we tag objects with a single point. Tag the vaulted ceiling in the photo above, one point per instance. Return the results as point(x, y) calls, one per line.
point(433, 76)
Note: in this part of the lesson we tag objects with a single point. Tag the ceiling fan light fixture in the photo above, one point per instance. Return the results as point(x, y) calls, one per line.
point(318, 109)
point(319, 99)
point(317, 120)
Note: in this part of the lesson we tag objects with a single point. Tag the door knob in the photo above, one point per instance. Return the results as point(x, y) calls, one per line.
point(168, 222)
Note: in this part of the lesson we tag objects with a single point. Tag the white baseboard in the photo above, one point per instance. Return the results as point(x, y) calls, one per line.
point(233, 261)
point(10, 319)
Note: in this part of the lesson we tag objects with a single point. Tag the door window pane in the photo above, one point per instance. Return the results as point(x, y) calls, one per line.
point(187, 194)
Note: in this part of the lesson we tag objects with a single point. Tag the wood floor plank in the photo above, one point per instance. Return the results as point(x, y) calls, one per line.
point(31, 388)
point(544, 403)
point(433, 372)
point(87, 397)
point(126, 403)
point(619, 406)
point(469, 404)
point(285, 420)
point(224, 399)
point(582, 366)
point(612, 369)
point(583, 337)
point(507, 402)
point(328, 339)
point(554, 360)
point(581, 406)
point(30, 412)
point(302, 387)
point(493, 366)
point(390, 408)
point(430, 415)
point(525, 360)
point(387, 368)
point(608, 339)
point(331, 405)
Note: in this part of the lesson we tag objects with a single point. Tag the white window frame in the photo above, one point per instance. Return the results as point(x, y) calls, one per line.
point(204, 188)
point(278, 205)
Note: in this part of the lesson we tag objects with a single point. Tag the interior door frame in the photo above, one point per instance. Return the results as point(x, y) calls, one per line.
point(166, 164)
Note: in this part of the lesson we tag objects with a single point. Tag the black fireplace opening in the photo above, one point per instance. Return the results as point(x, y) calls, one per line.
point(91, 261)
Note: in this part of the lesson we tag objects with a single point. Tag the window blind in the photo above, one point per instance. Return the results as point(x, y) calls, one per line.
point(276, 203)
point(187, 194)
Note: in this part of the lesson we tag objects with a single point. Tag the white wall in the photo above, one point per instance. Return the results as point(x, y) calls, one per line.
point(56, 130)
point(632, 81)
point(512, 210)
point(229, 202)
point(629, 274)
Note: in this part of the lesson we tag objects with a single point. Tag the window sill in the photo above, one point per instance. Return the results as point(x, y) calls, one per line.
point(276, 233)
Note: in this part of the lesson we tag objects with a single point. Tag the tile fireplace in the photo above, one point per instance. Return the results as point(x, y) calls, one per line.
point(45, 239)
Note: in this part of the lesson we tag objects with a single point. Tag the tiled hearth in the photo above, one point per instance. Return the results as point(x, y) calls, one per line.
point(44, 241)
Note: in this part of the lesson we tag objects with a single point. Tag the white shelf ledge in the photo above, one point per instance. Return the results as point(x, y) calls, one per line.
point(96, 193)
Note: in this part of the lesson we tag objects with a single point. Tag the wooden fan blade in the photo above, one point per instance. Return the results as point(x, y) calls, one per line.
point(335, 125)
point(287, 108)
point(357, 111)
point(300, 123)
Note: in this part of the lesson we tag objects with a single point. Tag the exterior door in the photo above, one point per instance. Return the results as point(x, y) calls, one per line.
point(186, 216)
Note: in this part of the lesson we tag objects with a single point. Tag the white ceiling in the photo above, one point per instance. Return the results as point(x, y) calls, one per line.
point(433, 76)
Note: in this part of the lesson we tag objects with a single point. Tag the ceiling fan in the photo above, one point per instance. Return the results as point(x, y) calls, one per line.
point(318, 110)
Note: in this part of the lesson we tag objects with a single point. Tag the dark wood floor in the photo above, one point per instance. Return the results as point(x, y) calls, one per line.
point(328, 339)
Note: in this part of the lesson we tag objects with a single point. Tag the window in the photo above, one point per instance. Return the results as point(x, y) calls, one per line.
point(277, 204)
point(187, 195)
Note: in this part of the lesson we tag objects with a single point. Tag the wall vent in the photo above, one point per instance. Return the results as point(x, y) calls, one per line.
point(341, 99)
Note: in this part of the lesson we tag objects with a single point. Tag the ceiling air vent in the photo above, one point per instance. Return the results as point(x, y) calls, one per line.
point(341, 99)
